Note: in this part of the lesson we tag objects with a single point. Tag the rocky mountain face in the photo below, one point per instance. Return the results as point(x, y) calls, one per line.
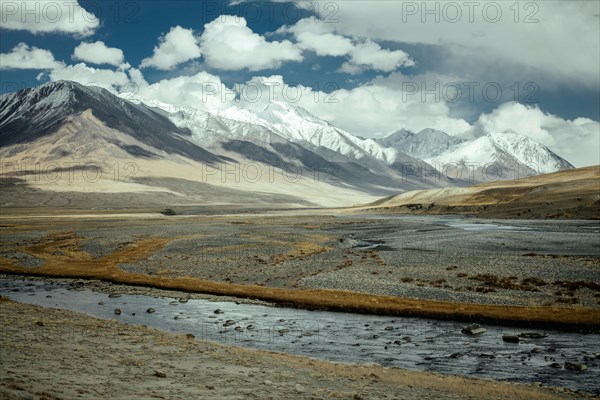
point(56, 121)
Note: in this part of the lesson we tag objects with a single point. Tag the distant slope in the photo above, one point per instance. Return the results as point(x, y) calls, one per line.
point(491, 156)
point(565, 194)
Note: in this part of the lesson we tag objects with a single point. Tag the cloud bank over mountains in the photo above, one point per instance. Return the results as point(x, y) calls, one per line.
point(557, 40)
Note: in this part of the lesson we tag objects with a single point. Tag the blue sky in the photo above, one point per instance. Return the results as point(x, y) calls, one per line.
point(371, 55)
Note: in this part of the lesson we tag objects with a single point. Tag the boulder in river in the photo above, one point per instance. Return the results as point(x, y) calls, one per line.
point(218, 311)
point(229, 322)
point(150, 310)
point(117, 311)
point(473, 329)
point(510, 338)
point(573, 366)
point(537, 350)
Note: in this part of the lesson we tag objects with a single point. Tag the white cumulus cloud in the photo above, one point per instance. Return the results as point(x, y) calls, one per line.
point(106, 78)
point(202, 91)
point(370, 55)
point(22, 56)
point(98, 53)
point(229, 44)
point(556, 39)
point(46, 16)
point(318, 36)
point(177, 46)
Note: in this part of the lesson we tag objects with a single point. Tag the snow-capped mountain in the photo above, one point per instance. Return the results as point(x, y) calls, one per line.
point(282, 134)
point(510, 154)
point(66, 121)
point(425, 144)
point(172, 155)
point(280, 122)
point(529, 152)
point(30, 114)
point(298, 125)
point(509, 151)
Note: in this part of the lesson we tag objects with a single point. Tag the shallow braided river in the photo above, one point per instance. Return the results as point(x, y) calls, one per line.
point(410, 343)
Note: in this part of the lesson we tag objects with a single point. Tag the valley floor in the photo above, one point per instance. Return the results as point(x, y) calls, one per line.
point(533, 273)
point(542, 273)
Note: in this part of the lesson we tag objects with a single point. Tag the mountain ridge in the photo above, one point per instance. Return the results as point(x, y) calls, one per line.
point(282, 137)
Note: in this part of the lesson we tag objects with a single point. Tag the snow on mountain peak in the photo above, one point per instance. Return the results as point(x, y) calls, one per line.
point(529, 152)
point(282, 121)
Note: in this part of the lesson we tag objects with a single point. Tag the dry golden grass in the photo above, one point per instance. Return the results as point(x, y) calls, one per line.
point(64, 259)
point(464, 387)
point(567, 194)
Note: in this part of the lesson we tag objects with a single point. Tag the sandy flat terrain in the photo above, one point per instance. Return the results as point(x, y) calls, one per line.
point(53, 354)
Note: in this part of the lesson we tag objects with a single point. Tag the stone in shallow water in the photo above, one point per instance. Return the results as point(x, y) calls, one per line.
point(575, 366)
point(117, 311)
point(511, 338)
point(150, 310)
point(473, 329)
point(537, 350)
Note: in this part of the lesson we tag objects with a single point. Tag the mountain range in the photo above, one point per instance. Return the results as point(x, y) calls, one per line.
point(66, 144)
